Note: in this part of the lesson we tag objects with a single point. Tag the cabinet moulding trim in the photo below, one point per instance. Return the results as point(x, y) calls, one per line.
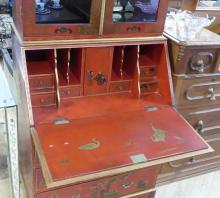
point(89, 42)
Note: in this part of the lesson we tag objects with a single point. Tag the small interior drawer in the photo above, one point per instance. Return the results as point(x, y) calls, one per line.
point(149, 86)
point(46, 99)
point(120, 86)
point(116, 186)
point(70, 91)
point(41, 82)
point(147, 71)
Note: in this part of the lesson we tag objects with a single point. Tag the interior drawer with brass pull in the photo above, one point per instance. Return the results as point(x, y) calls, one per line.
point(149, 86)
point(69, 91)
point(41, 82)
point(120, 86)
point(46, 99)
point(197, 91)
point(115, 186)
point(147, 71)
point(205, 121)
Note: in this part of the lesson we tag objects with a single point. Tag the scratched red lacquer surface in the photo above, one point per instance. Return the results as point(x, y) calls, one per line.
point(117, 136)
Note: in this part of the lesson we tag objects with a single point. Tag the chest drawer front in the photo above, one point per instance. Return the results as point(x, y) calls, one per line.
point(206, 122)
point(202, 60)
point(120, 86)
point(196, 59)
point(195, 162)
point(43, 99)
point(114, 187)
point(197, 91)
point(69, 92)
point(41, 82)
point(146, 195)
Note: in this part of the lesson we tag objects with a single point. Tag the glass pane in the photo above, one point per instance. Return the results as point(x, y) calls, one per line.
point(62, 11)
point(135, 10)
point(208, 5)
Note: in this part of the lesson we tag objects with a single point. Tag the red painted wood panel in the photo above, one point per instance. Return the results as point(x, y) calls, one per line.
point(98, 61)
point(122, 184)
point(118, 138)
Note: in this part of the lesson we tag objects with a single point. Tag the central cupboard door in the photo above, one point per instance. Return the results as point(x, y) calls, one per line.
point(135, 17)
point(98, 66)
point(61, 18)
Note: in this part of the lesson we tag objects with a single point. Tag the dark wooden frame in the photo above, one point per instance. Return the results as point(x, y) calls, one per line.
point(146, 28)
point(24, 17)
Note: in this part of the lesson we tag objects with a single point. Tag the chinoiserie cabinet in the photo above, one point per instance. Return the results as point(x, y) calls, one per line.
point(96, 115)
point(196, 78)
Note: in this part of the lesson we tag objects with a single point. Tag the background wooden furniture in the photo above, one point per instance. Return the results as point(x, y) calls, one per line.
point(195, 68)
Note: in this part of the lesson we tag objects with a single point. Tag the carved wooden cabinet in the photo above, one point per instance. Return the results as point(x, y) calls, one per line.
point(196, 72)
point(65, 19)
point(96, 114)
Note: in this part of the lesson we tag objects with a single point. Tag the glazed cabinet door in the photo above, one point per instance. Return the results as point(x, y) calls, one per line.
point(57, 18)
point(135, 17)
point(97, 70)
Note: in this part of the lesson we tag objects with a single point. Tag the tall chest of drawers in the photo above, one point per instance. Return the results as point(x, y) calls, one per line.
point(196, 78)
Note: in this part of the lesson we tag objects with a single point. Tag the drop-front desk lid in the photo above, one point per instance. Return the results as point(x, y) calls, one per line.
point(95, 147)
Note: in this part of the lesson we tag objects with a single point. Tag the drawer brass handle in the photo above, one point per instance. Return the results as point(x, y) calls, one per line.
point(200, 65)
point(127, 185)
point(63, 30)
point(133, 29)
point(200, 126)
point(211, 94)
point(100, 79)
point(175, 165)
point(120, 88)
point(90, 76)
point(191, 161)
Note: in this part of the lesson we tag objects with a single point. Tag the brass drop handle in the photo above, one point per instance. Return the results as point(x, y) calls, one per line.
point(200, 66)
point(90, 75)
point(120, 88)
point(100, 78)
point(63, 30)
point(175, 165)
point(127, 185)
point(211, 94)
point(200, 126)
point(191, 161)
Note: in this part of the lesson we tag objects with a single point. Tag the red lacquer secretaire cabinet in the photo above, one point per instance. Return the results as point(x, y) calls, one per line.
point(95, 115)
